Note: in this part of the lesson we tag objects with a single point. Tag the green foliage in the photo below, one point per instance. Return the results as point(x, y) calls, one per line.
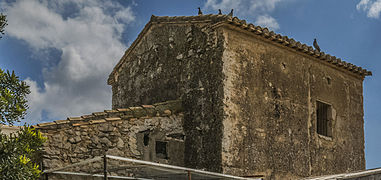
point(3, 23)
point(19, 151)
point(12, 97)
point(18, 154)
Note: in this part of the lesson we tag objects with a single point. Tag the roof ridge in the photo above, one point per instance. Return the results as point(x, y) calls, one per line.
point(162, 109)
point(284, 40)
point(271, 35)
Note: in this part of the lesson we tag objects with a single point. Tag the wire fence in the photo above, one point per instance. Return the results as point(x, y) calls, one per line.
point(111, 167)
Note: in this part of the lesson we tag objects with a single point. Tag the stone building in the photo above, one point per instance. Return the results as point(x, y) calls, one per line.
point(247, 102)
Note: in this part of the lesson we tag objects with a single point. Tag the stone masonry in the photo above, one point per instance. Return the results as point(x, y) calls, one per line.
point(128, 132)
point(250, 96)
point(238, 99)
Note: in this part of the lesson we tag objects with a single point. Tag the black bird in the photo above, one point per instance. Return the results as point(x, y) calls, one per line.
point(199, 11)
point(316, 46)
point(231, 13)
point(219, 12)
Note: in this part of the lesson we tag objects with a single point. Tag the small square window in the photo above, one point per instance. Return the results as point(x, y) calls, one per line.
point(161, 149)
point(323, 116)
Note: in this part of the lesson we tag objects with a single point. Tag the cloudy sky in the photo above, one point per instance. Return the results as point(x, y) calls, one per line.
point(65, 49)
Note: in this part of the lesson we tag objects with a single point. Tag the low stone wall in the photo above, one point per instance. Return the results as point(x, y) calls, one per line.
point(153, 133)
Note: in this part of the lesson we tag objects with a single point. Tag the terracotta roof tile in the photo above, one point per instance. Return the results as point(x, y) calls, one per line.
point(132, 113)
point(97, 121)
point(89, 116)
point(113, 119)
point(123, 109)
point(111, 111)
point(81, 124)
point(62, 121)
point(74, 118)
point(99, 113)
point(46, 124)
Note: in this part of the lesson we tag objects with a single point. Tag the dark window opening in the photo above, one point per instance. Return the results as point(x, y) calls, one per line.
point(323, 113)
point(161, 150)
point(328, 80)
point(146, 139)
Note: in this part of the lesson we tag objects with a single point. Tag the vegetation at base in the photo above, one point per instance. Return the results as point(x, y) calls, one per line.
point(18, 154)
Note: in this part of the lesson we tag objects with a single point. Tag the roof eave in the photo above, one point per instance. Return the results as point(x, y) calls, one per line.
point(298, 46)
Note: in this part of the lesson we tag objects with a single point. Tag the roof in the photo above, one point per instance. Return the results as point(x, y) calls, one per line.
point(159, 109)
point(256, 30)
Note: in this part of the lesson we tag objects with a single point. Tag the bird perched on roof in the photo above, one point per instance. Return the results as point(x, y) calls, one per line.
point(316, 46)
point(199, 11)
point(231, 13)
point(219, 12)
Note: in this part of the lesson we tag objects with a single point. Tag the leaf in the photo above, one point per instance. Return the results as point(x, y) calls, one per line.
point(13, 101)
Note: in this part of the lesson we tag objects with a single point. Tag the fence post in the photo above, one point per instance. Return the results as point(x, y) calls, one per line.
point(189, 175)
point(105, 166)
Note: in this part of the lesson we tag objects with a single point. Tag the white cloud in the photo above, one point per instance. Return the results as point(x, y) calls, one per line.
point(363, 4)
point(263, 6)
point(254, 8)
point(267, 21)
point(225, 5)
point(89, 38)
point(125, 15)
point(243, 6)
point(373, 8)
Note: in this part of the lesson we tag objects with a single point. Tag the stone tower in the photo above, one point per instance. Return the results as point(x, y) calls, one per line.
point(255, 102)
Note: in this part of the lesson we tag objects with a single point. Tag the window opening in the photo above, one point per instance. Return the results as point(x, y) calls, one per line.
point(328, 80)
point(161, 150)
point(323, 113)
point(146, 139)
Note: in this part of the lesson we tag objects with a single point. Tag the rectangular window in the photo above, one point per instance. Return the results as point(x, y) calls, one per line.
point(323, 113)
point(161, 150)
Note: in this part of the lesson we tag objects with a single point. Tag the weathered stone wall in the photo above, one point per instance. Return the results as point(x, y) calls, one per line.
point(179, 60)
point(132, 132)
point(270, 105)
point(249, 100)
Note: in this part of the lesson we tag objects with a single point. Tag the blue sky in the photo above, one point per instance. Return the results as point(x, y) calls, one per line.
point(65, 49)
